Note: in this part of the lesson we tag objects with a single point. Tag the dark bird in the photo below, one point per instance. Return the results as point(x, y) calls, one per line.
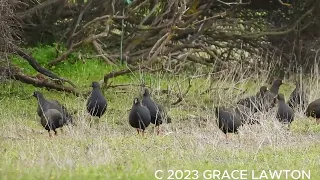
point(139, 116)
point(245, 114)
point(51, 120)
point(157, 112)
point(228, 120)
point(285, 113)
point(298, 98)
point(271, 95)
point(276, 86)
point(255, 102)
point(313, 110)
point(44, 105)
point(96, 103)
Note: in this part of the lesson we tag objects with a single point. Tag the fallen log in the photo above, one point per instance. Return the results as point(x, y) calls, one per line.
point(43, 83)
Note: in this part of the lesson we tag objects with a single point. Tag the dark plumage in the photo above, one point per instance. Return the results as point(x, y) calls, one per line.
point(157, 112)
point(276, 86)
point(139, 116)
point(96, 103)
point(285, 113)
point(51, 120)
point(228, 120)
point(270, 95)
point(313, 109)
point(245, 114)
point(254, 102)
point(44, 105)
point(298, 98)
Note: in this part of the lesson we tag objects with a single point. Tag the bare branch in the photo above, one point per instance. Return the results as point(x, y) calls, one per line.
point(181, 95)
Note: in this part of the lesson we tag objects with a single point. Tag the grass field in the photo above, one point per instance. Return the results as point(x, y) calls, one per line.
point(111, 149)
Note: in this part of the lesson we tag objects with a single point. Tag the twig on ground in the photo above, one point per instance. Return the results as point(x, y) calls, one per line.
point(181, 96)
point(125, 85)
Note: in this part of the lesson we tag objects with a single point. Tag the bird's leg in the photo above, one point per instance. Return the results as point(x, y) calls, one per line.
point(55, 132)
point(91, 120)
point(138, 130)
point(227, 138)
point(98, 126)
point(50, 135)
point(158, 130)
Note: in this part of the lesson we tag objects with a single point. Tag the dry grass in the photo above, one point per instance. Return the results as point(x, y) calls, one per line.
point(111, 149)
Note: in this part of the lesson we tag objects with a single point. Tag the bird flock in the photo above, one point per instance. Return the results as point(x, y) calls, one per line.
point(229, 119)
point(54, 115)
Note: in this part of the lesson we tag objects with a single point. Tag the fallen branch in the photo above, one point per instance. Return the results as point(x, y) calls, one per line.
point(233, 3)
point(114, 74)
point(181, 96)
point(285, 4)
point(126, 71)
point(38, 67)
point(40, 83)
point(102, 54)
point(102, 18)
point(69, 41)
point(88, 40)
point(129, 70)
point(125, 85)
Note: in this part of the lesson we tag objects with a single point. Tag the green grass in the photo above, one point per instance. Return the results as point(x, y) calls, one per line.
point(111, 149)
